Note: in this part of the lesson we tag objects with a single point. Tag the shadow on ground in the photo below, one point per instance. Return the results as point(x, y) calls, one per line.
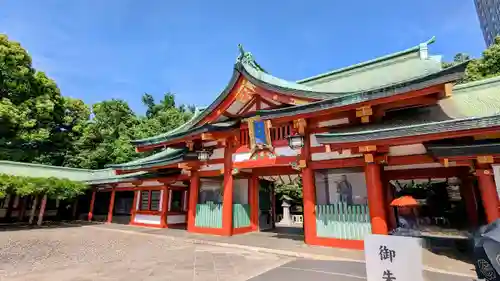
point(458, 249)
point(48, 224)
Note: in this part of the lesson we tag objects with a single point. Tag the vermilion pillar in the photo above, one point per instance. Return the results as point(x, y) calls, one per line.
point(194, 187)
point(253, 196)
point(227, 204)
point(488, 193)
point(164, 206)
point(308, 192)
point(375, 198)
point(42, 210)
point(111, 205)
point(91, 209)
point(133, 208)
point(469, 198)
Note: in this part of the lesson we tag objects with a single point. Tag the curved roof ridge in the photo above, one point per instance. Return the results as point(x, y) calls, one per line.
point(183, 127)
point(166, 154)
point(477, 83)
point(418, 48)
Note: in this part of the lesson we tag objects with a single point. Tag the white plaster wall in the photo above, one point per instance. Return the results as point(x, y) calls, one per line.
point(333, 122)
point(416, 166)
point(346, 153)
point(212, 167)
point(411, 149)
point(355, 178)
point(240, 193)
point(148, 219)
point(218, 153)
point(126, 184)
point(285, 151)
point(152, 183)
point(279, 151)
point(176, 219)
point(210, 143)
point(241, 156)
point(314, 141)
point(496, 172)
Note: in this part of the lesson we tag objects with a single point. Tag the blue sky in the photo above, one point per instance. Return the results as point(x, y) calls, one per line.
point(98, 50)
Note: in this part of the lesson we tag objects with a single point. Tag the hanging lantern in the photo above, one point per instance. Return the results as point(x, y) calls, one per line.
point(296, 141)
point(204, 155)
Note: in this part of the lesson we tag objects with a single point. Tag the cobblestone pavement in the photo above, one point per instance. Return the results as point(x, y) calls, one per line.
point(79, 253)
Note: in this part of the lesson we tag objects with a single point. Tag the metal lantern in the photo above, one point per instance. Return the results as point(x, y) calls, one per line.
point(296, 141)
point(204, 155)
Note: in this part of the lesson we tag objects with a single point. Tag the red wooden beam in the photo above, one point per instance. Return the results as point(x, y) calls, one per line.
point(337, 163)
point(247, 106)
point(420, 138)
point(265, 162)
point(425, 173)
point(274, 171)
point(414, 94)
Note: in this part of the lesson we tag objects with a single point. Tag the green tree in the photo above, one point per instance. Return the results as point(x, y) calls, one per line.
point(106, 138)
point(33, 114)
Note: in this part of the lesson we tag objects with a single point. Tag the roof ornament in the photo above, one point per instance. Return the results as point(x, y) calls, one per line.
point(424, 49)
point(248, 59)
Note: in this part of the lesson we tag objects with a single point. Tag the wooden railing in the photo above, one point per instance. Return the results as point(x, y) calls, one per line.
point(343, 221)
point(241, 215)
point(208, 215)
point(277, 134)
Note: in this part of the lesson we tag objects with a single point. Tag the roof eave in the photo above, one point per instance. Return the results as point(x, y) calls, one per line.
point(417, 48)
point(451, 74)
point(487, 122)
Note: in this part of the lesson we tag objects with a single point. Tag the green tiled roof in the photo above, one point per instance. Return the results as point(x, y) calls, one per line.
point(385, 70)
point(183, 128)
point(410, 130)
point(163, 158)
point(364, 64)
point(191, 131)
point(472, 105)
point(91, 177)
point(247, 67)
point(464, 150)
point(443, 76)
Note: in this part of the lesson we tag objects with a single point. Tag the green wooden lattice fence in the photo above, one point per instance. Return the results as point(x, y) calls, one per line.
point(208, 215)
point(343, 221)
point(241, 215)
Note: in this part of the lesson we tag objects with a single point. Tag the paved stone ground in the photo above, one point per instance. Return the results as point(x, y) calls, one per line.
point(83, 253)
point(279, 243)
point(318, 270)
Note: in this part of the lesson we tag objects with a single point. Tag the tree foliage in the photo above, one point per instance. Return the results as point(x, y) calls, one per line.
point(40, 125)
point(54, 188)
point(487, 66)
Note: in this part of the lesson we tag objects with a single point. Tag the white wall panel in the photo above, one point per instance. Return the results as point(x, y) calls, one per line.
point(172, 219)
point(147, 219)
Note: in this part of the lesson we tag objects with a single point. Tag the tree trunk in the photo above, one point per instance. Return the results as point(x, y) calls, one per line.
point(42, 210)
point(33, 209)
point(75, 208)
point(22, 212)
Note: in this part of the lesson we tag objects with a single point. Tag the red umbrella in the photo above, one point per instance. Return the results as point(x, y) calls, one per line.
point(404, 201)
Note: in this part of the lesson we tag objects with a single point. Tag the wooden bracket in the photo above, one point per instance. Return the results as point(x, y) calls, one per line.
point(184, 166)
point(369, 158)
point(302, 164)
point(448, 90)
point(364, 113)
point(367, 148)
point(190, 145)
point(300, 125)
point(207, 136)
point(137, 182)
point(488, 159)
